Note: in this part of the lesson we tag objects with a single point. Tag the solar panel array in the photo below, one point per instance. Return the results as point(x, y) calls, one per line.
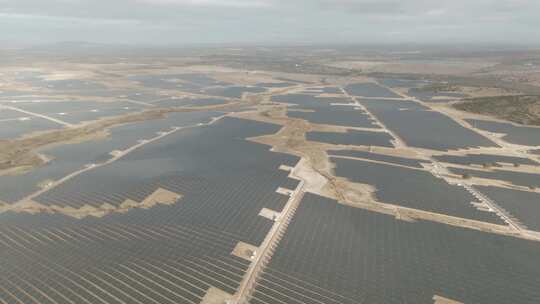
point(78, 111)
point(413, 189)
point(166, 254)
point(17, 128)
point(481, 159)
point(333, 253)
point(517, 178)
point(195, 83)
point(522, 205)
point(72, 157)
point(223, 155)
point(419, 127)
point(370, 90)
point(126, 260)
point(353, 138)
point(321, 111)
point(520, 135)
point(404, 161)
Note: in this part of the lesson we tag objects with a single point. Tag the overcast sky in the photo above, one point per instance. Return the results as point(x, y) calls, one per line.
point(179, 22)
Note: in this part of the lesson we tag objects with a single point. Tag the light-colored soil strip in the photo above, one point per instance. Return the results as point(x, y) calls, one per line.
point(13, 119)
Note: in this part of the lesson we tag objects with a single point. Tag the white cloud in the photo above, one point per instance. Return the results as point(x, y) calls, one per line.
point(223, 3)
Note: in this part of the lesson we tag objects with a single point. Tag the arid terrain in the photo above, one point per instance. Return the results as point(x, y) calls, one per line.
point(270, 175)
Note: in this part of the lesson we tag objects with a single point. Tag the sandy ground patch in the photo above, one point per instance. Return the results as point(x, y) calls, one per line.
point(285, 168)
point(315, 182)
point(160, 196)
point(269, 214)
point(284, 191)
point(245, 251)
point(442, 300)
point(216, 296)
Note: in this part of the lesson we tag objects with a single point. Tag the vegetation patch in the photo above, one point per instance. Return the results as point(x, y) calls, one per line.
point(522, 109)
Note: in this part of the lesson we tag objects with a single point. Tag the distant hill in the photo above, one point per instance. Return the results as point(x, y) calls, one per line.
point(522, 109)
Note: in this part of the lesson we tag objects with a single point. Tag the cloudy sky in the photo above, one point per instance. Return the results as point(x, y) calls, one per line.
point(180, 22)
